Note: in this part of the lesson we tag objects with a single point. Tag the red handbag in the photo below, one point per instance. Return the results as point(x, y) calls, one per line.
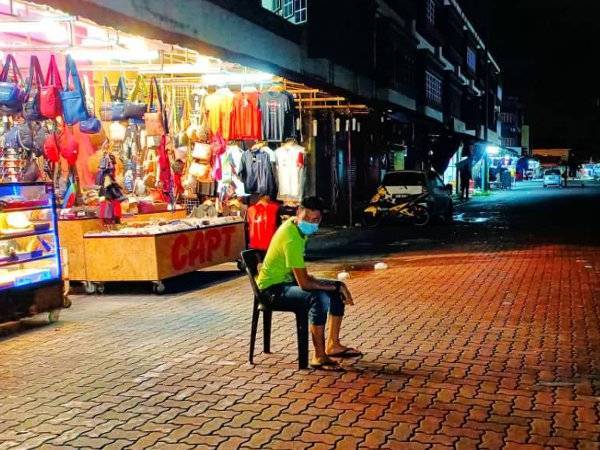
point(51, 152)
point(69, 147)
point(50, 103)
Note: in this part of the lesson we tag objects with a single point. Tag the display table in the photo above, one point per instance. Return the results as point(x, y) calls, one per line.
point(157, 257)
point(71, 232)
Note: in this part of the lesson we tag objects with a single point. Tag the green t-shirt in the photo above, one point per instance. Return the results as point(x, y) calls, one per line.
point(286, 252)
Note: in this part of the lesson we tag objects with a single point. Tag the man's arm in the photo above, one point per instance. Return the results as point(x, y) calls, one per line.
point(310, 283)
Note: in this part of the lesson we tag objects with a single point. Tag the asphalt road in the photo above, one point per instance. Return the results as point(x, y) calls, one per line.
point(527, 214)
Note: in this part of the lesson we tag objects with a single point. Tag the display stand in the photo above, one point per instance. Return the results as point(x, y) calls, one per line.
point(71, 232)
point(159, 256)
point(30, 265)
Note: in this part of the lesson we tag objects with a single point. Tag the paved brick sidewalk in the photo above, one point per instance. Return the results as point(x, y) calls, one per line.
point(468, 349)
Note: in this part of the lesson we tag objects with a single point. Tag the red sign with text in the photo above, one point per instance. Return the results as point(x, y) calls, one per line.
point(213, 245)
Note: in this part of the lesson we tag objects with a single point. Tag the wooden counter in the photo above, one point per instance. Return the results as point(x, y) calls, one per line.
point(71, 231)
point(161, 256)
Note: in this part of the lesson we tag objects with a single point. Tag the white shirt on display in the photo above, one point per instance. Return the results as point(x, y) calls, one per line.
point(290, 171)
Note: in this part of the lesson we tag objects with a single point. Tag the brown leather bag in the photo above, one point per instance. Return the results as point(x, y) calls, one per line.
point(155, 121)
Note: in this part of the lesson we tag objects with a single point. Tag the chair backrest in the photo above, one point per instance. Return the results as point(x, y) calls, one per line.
point(251, 259)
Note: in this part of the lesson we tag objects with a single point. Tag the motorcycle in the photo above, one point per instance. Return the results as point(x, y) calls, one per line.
point(411, 208)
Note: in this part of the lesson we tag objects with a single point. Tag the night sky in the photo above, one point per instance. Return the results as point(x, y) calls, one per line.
point(540, 46)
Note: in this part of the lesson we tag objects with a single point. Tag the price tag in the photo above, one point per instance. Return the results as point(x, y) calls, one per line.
point(315, 127)
point(338, 124)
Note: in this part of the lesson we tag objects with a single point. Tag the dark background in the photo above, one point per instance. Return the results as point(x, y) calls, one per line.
point(548, 51)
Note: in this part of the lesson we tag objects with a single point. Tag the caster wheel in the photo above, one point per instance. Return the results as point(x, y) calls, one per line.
point(241, 266)
point(53, 315)
point(90, 288)
point(100, 288)
point(158, 287)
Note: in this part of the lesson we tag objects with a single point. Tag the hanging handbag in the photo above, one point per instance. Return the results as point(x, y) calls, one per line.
point(24, 136)
point(51, 148)
point(39, 138)
point(114, 109)
point(73, 101)
point(135, 108)
point(117, 132)
point(11, 138)
point(155, 121)
point(90, 126)
point(50, 103)
point(31, 107)
point(164, 167)
point(69, 147)
point(31, 172)
point(12, 94)
point(19, 136)
point(202, 152)
point(181, 137)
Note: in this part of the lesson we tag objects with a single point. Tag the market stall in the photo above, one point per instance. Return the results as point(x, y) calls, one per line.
point(130, 129)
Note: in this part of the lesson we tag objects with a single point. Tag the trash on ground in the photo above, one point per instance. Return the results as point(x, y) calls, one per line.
point(343, 276)
point(381, 266)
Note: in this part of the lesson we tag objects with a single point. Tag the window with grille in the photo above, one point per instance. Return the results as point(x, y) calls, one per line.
point(300, 11)
point(433, 89)
point(430, 11)
point(287, 9)
point(296, 11)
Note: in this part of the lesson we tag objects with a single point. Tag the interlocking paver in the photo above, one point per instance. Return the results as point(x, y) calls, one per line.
point(479, 344)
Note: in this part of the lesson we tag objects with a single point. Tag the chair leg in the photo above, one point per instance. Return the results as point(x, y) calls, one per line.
point(254, 328)
point(267, 316)
point(302, 330)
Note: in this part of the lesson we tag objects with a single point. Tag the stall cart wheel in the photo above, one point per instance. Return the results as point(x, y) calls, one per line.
point(158, 287)
point(53, 315)
point(100, 288)
point(241, 266)
point(90, 288)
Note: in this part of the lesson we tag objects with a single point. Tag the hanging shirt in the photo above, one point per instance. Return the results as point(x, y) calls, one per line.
point(275, 108)
point(219, 106)
point(231, 164)
point(290, 118)
point(262, 224)
point(290, 171)
point(257, 172)
point(246, 116)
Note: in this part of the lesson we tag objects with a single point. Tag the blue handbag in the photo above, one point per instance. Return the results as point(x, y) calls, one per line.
point(114, 110)
point(12, 95)
point(35, 82)
point(90, 126)
point(73, 101)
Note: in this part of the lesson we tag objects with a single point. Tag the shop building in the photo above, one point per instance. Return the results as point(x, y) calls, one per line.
point(423, 59)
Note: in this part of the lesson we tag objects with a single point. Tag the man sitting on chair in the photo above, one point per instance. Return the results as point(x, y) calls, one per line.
point(284, 278)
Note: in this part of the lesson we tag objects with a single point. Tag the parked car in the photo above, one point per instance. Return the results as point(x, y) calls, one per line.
point(410, 195)
point(552, 177)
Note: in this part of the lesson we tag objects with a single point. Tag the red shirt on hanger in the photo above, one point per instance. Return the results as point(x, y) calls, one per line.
point(246, 116)
point(262, 224)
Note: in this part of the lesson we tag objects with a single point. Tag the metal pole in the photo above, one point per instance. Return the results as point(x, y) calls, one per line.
point(485, 179)
point(350, 218)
